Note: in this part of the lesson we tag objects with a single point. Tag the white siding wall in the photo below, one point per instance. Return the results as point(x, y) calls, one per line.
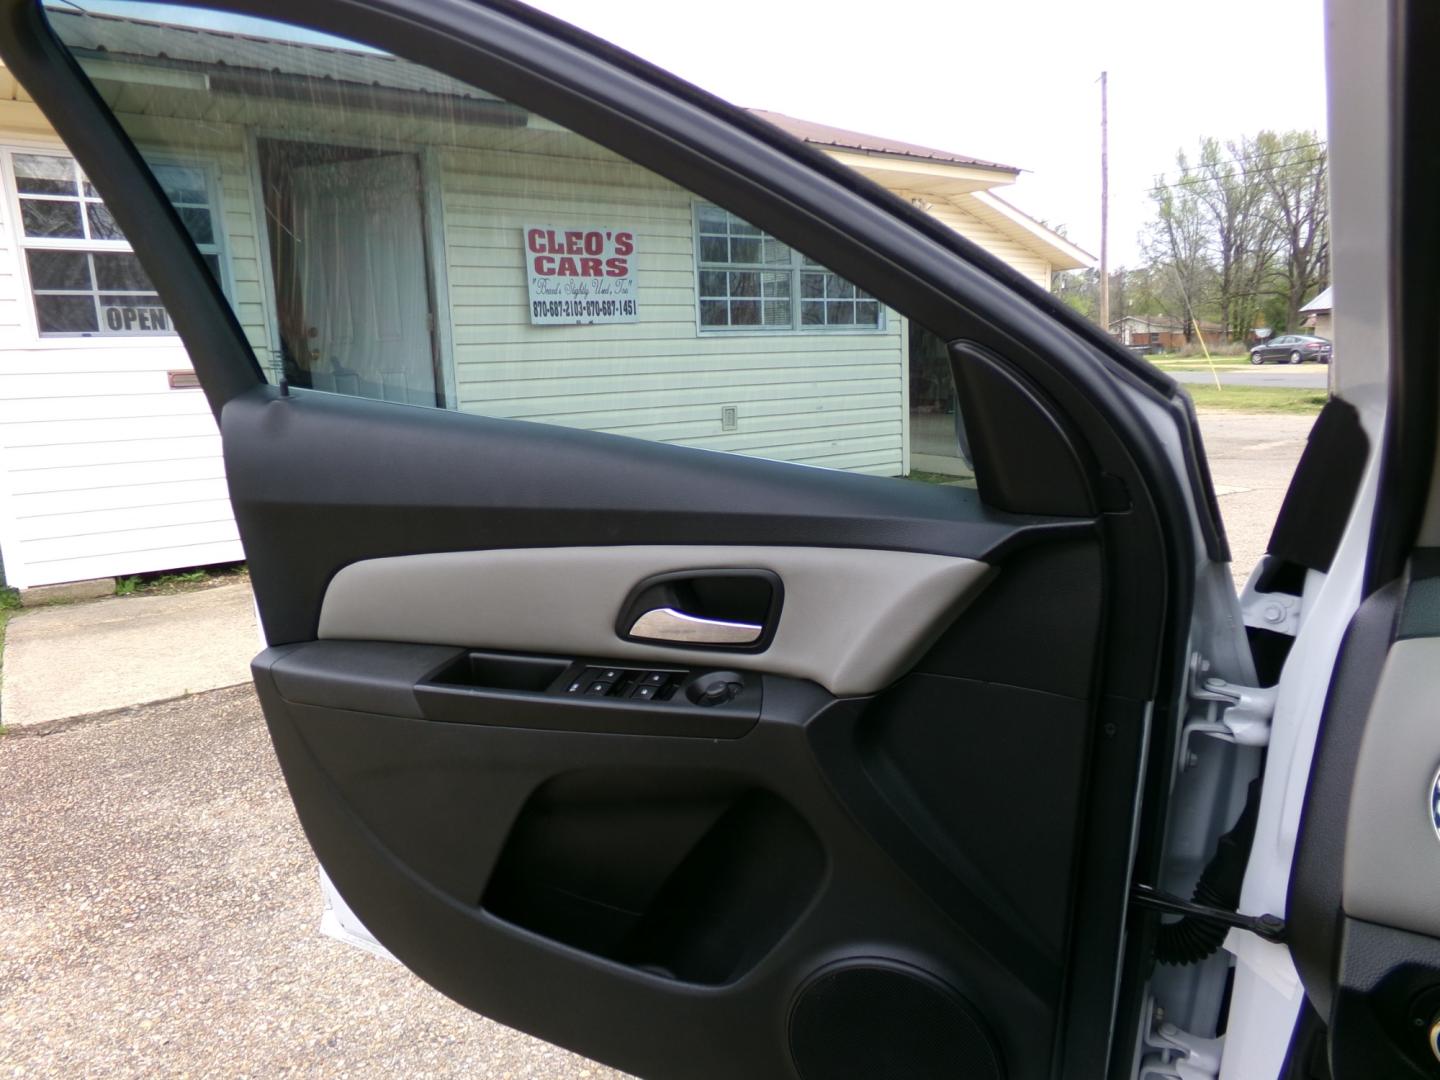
point(104, 470)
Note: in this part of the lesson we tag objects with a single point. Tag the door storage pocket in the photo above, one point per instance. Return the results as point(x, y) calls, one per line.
point(685, 875)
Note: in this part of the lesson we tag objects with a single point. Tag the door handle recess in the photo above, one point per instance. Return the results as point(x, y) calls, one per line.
point(668, 624)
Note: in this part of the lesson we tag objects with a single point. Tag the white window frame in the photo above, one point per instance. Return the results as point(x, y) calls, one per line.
point(431, 171)
point(21, 244)
point(797, 266)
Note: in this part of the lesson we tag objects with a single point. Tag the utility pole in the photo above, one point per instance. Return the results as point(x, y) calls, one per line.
point(1104, 202)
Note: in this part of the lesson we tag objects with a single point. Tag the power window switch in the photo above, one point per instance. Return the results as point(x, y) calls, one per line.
point(654, 678)
point(599, 688)
point(643, 692)
point(575, 686)
point(598, 674)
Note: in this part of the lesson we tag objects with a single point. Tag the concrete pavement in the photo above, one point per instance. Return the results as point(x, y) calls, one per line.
point(69, 660)
point(1252, 457)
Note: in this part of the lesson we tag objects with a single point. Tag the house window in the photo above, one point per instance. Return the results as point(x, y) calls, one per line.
point(84, 279)
point(748, 280)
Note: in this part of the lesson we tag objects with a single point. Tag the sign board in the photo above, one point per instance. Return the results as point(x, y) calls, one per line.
point(142, 314)
point(581, 275)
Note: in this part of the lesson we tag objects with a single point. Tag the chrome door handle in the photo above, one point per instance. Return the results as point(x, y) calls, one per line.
point(667, 624)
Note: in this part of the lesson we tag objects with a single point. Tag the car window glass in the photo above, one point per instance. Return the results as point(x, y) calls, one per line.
point(392, 233)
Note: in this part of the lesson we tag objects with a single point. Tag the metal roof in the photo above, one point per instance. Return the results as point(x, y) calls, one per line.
point(314, 56)
point(111, 37)
point(843, 139)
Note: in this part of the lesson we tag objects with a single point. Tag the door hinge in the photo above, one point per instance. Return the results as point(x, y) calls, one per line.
point(1268, 927)
point(1277, 612)
point(1176, 1054)
point(1225, 710)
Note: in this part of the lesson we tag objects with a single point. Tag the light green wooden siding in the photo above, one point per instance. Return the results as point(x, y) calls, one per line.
point(834, 398)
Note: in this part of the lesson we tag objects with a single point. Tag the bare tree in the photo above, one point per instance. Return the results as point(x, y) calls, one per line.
point(1242, 231)
point(1177, 245)
point(1231, 189)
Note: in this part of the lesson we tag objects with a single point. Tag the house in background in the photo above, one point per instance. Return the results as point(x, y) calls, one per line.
point(1318, 315)
point(1160, 333)
point(110, 462)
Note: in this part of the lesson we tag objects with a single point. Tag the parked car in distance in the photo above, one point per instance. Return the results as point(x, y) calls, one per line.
point(1291, 349)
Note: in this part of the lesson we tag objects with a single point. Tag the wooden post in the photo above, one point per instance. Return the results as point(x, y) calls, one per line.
point(1104, 202)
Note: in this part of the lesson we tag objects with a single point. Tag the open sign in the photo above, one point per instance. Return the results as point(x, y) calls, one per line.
point(134, 315)
point(580, 275)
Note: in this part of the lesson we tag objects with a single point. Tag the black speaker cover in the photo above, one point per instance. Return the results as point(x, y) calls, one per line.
point(885, 1020)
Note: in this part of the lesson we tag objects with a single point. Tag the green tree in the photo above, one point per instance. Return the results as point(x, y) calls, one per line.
point(1079, 289)
point(1294, 169)
point(1241, 233)
point(1232, 194)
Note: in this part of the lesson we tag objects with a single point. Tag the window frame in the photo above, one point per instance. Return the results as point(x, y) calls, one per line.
point(22, 244)
point(799, 264)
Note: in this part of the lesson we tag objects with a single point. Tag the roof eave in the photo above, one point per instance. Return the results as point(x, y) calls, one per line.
point(1060, 252)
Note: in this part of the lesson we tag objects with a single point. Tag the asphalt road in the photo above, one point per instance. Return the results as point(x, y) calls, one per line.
point(1302, 376)
point(159, 906)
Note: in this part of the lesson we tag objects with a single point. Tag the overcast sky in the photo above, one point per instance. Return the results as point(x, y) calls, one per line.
point(1014, 81)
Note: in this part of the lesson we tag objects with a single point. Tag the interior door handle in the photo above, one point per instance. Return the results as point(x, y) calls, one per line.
point(668, 624)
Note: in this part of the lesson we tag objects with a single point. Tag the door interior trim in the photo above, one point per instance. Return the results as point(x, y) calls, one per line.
point(854, 619)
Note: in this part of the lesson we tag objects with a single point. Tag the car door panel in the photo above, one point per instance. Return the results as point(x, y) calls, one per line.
point(616, 836)
point(641, 869)
point(902, 846)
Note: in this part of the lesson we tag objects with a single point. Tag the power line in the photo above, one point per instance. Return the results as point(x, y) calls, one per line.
point(1278, 151)
point(1200, 181)
point(1253, 159)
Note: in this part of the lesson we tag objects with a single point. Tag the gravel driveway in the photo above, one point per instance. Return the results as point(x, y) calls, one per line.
point(159, 911)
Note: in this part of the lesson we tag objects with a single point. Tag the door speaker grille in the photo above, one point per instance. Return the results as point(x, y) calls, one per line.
point(884, 1020)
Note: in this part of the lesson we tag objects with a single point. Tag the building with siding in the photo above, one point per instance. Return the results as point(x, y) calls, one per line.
point(110, 462)
point(1163, 334)
point(1319, 315)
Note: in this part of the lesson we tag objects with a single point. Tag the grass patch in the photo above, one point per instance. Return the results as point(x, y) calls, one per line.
point(920, 476)
point(1258, 399)
point(9, 604)
point(1175, 362)
point(177, 581)
point(1200, 365)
